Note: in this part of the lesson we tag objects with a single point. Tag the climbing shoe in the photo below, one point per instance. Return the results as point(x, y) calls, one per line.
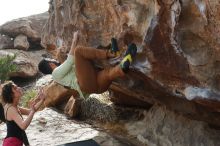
point(128, 58)
point(132, 50)
point(114, 47)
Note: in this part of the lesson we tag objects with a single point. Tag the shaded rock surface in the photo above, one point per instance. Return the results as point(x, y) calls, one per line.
point(178, 48)
point(6, 42)
point(164, 127)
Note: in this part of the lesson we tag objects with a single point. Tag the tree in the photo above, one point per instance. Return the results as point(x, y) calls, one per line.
point(7, 66)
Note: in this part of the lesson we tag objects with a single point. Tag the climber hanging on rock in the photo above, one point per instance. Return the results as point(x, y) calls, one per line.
point(79, 73)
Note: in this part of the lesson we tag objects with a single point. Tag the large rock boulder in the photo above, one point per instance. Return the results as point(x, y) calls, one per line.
point(26, 62)
point(21, 42)
point(178, 48)
point(58, 96)
point(30, 26)
point(55, 93)
point(72, 108)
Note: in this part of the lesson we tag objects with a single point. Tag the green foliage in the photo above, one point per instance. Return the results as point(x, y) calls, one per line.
point(28, 95)
point(6, 67)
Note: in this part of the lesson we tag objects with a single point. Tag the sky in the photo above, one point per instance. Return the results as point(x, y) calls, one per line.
point(13, 9)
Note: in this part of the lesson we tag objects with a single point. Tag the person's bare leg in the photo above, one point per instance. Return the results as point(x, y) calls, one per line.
point(93, 53)
point(92, 81)
point(89, 79)
point(106, 76)
point(85, 70)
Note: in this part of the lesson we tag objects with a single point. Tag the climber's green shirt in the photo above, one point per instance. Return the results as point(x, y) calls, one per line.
point(66, 76)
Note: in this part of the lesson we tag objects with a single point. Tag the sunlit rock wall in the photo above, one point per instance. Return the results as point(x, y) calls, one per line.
point(178, 48)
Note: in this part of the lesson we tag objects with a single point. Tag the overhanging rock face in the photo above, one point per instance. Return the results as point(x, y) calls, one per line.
point(178, 48)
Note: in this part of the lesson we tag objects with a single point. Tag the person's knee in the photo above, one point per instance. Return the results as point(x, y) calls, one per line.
point(77, 50)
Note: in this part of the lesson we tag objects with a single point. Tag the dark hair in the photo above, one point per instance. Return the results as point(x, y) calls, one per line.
point(2, 116)
point(44, 65)
point(7, 93)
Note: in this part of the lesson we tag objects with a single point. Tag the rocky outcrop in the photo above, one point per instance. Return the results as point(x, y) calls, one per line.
point(5, 42)
point(31, 27)
point(72, 108)
point(21, 42)
point(167, 128)
point(59, 96)
point(26, 62)
point(178, 48)
point(56, 94)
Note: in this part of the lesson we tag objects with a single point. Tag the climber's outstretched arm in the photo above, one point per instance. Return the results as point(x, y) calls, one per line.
point(74, 43)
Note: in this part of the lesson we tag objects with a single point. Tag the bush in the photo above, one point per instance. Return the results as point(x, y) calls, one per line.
point(28, 95)
point(6, 67)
